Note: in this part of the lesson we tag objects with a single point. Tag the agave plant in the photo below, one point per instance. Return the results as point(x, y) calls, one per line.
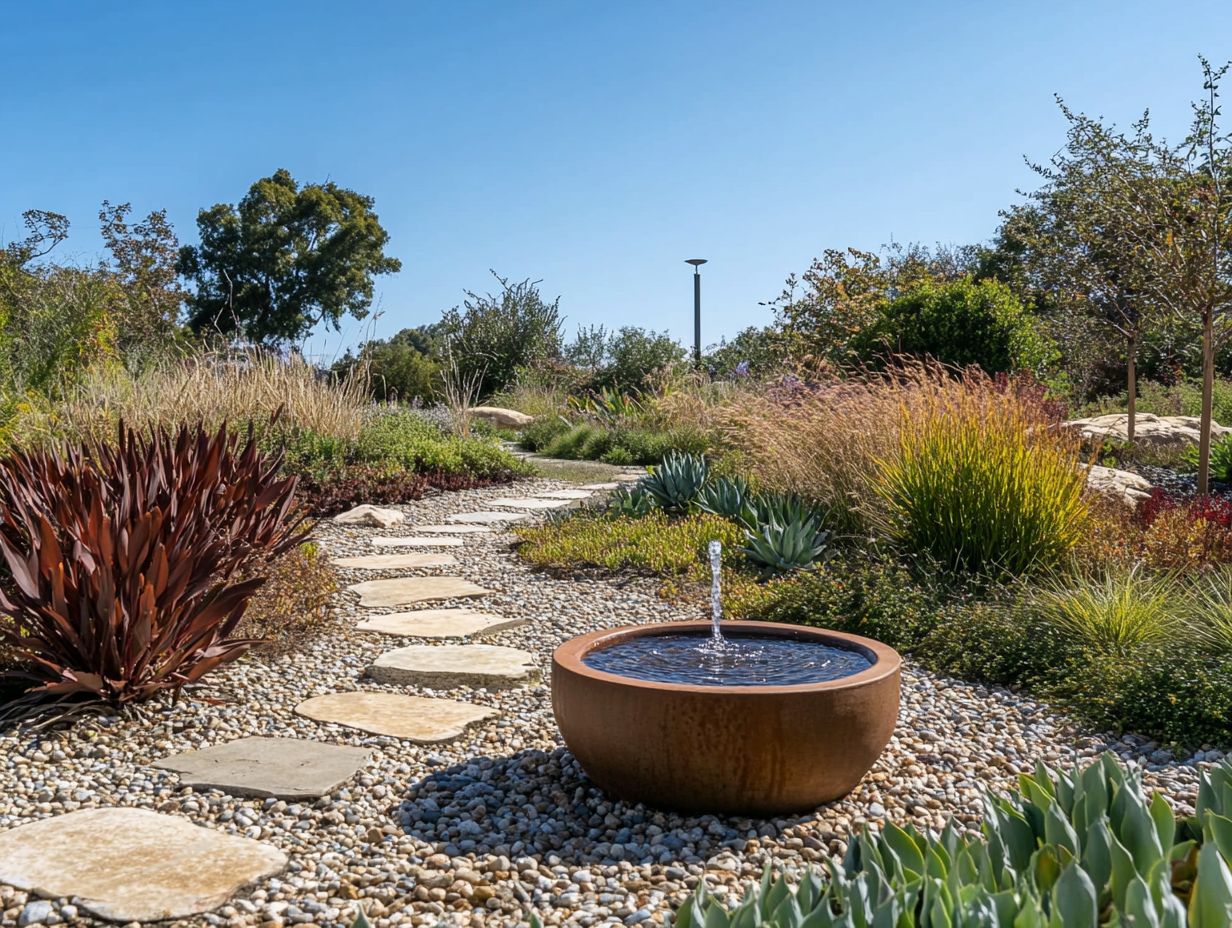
point(731, 498)
point(676, 483)
point(132, 565)
point(793, 545)
point(1079, 849)
point(632, 502)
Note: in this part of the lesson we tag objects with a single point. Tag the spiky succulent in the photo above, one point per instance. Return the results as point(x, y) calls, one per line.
point(731, 498)
point(631, 502)
point(794, 545)
point(676, 482)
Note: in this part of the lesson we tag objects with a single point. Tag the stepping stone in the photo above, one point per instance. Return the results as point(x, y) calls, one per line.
point(455, 665)
point(529, 502)
point(416, 541)
point(404, 591)
point(628, 478)
point(439, 623)
point(487, 518)
point(370, 515)
point(564, 494)
point(132, 865)
point(412, 718)
point(454, 529)
point(285, 768)
point(389, 561)
point(599, 486)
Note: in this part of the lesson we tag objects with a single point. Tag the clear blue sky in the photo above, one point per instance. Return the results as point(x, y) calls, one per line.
point(592, 145)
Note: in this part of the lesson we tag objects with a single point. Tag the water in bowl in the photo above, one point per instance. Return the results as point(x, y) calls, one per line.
point(738, 660)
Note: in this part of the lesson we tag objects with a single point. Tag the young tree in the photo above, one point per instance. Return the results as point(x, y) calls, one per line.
point(285, 259)
point(143, 259)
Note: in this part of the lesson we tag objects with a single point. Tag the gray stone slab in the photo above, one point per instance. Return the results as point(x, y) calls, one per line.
point(405, 591)
point(455, 665)
point(439, 623)
point(485, 517)
point(285, 768)
point(417, 541)
point(132, 865)
point(529, 502)
point(412, 718)
point(393, 561)
point(453, 529)
point(565, 494)
point(600, 486)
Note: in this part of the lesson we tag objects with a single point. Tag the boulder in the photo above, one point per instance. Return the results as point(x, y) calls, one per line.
point(1121, 485)
point(1148, 428)
point(502, 418)
point(370, 515)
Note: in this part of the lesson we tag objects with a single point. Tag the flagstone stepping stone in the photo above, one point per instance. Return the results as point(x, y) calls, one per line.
point(529, 502)
point(412, 718)
point(416, 541)
point(455, 665)
point(439, 623)
point(628, 478)
point(487, 518)
point(564, 494)
point(454, 529)
point(132, 865)
point(390, 561)
point(599, 486)
point(285, 768)
point(370, 515)
point(404, 591)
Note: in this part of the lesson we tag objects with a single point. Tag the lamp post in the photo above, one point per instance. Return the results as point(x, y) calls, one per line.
point(697, 308)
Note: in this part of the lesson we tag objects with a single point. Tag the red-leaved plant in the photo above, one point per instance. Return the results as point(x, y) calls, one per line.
point(130, 566)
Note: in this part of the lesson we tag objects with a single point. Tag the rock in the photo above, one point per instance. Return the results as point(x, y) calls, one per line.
point(34, 913)
point(417, 541)
point(403, 591)
point(487, 517)
point(394, 561)
point(1121, 485)
point(131, 865)
point(455, 665)
point(439, 623)
point(370, 515)
point(567, 494)
point(612, 485)
point(528, 502)
point(502, 418)
point(285, 768)
point(454, 529)
point(1148, 429)
point(412, 718)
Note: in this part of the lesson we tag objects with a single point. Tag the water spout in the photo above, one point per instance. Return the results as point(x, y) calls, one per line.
point(716, 603)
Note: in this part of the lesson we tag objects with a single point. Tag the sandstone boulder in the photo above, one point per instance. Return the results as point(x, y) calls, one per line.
point(502, 418)
point(1148, 429)
point(1121, 485)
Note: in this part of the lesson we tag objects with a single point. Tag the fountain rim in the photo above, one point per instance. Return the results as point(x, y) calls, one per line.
point(885, 660)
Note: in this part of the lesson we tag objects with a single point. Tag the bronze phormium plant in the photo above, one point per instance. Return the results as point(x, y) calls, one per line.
point(131, 565)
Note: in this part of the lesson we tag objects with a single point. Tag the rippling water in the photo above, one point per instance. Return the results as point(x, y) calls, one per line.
point(738, 660)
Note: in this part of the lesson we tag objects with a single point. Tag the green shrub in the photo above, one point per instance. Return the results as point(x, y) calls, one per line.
point(979, 484)
point(1221, 458)
point(542, 432)
point(417, 445)
point(1065, 849)
point(959, 322)
point(1115, 613)
point(1183, 398)
point(569, 444)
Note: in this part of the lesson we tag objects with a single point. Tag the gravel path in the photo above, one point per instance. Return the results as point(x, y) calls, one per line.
point(477, 831)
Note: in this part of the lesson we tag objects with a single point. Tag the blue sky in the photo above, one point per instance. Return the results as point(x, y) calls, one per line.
point(593, 146)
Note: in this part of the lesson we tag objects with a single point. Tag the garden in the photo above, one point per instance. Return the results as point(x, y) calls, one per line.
point(285, 642)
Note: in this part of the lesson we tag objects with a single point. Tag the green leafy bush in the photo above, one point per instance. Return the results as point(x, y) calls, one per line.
point(1072, 849)
point(1221, 458)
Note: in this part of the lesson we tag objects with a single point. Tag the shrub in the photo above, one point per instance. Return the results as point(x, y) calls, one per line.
point(1221, 458)
point(126, 560)
point(337, 490)
point(981, 483)
point(959, 322)
point(569, 444)
point(293, 603)
point(1079, 849)
point(1185, 534)
point(633, 357)
point(543, 431)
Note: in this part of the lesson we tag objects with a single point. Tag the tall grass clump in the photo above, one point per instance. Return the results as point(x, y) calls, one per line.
point(981, 480)
point(1117, 612)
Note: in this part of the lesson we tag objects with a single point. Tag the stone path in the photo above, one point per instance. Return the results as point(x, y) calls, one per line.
point(392, 561)
point(530, 502)
point(418, 541)
point(454, 529)
point(412, 718)
point(285, 768)
point(404, 591)
point(450, 665)
point(485, 517)
point(439, 623)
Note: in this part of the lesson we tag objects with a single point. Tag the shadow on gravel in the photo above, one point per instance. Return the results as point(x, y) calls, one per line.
point(536, 804)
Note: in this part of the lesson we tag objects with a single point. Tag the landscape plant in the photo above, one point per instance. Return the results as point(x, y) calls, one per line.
point(131, 564)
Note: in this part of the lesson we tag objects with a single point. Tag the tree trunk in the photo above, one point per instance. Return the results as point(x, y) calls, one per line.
point(1208, 391)
point(1132, 389)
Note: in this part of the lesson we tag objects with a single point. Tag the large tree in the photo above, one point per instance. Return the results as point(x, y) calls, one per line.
point(285, 259)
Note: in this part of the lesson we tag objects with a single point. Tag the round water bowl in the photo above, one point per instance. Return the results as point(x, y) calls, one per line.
point(737, 750)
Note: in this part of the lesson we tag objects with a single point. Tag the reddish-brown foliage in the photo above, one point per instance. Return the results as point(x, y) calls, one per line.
point(131, 565)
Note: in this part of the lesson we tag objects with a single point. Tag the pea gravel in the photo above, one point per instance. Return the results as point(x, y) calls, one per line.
point(501, 821)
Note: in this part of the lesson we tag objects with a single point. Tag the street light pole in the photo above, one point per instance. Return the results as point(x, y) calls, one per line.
point(697, 308)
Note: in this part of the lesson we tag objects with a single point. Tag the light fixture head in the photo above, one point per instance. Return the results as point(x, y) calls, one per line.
point(696, 262)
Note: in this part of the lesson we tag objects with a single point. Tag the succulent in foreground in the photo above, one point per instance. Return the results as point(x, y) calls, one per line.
point(793, 545)
point(631, 502)
point(131, 565)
